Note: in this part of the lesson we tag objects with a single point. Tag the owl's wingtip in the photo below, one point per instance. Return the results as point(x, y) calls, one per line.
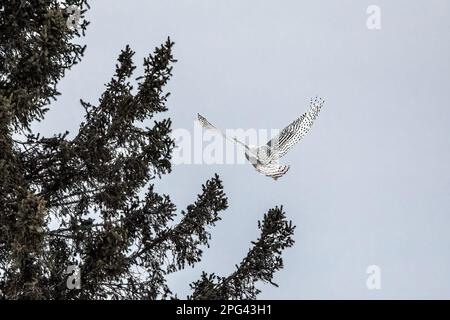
point(200, 117)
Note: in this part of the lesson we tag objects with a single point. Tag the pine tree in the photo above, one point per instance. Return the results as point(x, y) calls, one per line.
point(90, 201)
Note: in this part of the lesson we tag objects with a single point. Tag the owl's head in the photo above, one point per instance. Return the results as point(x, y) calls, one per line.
point(263, 153)
point(252, 148)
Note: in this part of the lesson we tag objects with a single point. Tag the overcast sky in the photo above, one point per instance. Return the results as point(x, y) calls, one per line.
point(369, 185)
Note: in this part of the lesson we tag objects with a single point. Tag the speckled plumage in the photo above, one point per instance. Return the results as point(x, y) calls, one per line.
point(265, 158)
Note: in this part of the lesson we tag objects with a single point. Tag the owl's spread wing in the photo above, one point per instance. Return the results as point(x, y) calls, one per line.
point(207, 125)
point(294, 132)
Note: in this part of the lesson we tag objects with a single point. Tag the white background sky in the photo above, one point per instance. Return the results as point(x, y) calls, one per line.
point(369, 185)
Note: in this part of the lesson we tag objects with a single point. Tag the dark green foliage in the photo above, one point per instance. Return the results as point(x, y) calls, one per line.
point(259, 265)
point(36, 49)
point(89, 200)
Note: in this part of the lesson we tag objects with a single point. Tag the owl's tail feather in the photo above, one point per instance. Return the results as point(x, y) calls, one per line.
point(272, 170)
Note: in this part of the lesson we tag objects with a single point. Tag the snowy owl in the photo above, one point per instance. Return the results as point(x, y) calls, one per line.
point(265, 158)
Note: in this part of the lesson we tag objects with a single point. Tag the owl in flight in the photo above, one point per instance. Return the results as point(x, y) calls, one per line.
point(265, 158)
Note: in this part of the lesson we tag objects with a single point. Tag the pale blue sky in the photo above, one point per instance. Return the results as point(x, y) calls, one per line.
point(369, 185)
